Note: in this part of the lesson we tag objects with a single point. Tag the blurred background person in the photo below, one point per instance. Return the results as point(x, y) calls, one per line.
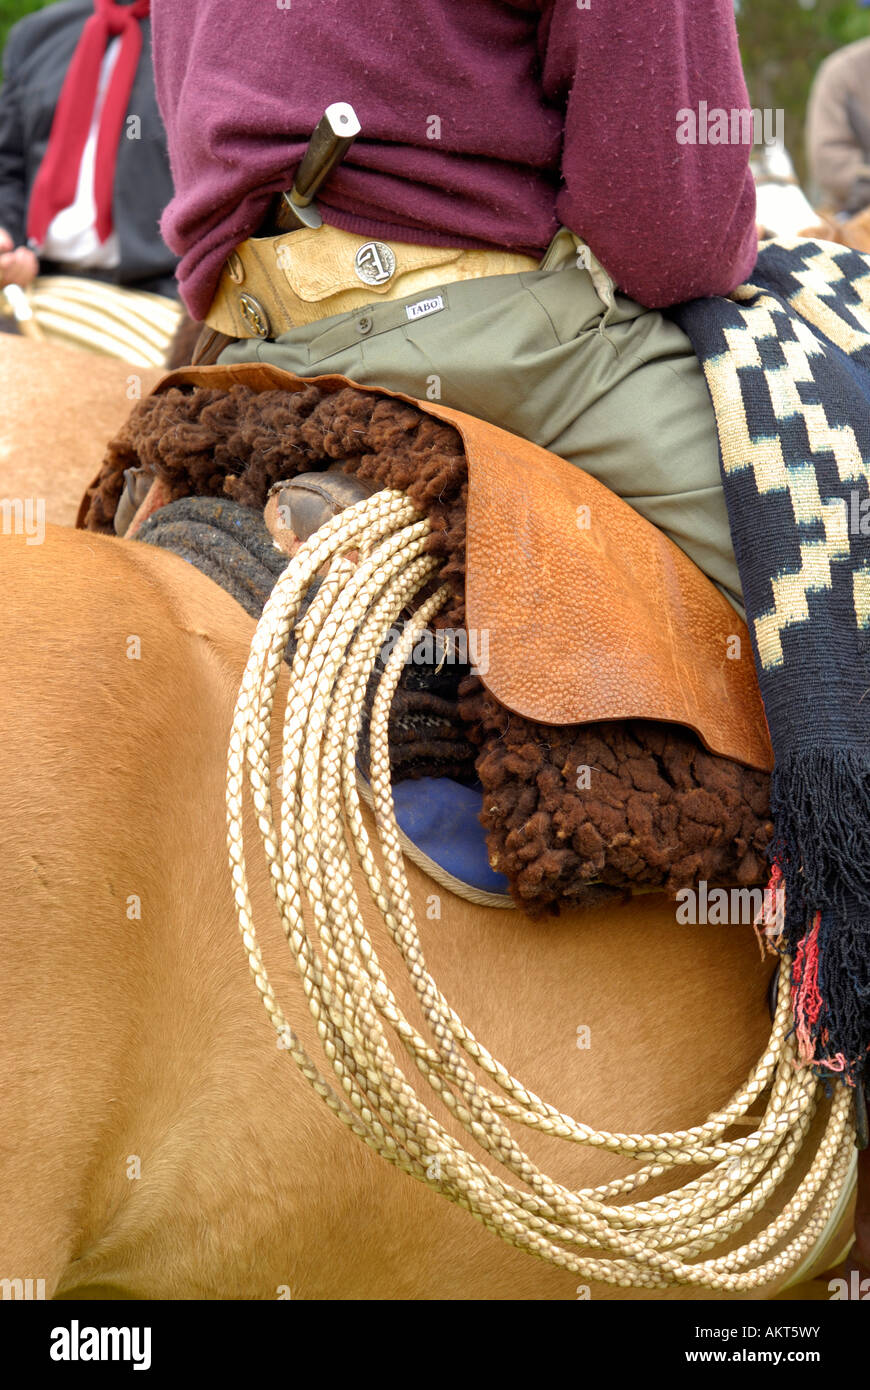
point(84, 171)
point(838, 130)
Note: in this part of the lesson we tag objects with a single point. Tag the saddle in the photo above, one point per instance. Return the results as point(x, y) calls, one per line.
point(589, 612)
point(564, 576)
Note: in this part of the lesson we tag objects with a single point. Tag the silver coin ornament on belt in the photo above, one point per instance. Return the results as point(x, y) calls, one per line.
point(374, 262)
point(254, 315)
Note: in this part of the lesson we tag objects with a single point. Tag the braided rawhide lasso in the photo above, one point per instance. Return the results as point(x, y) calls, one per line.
point(593, 1232)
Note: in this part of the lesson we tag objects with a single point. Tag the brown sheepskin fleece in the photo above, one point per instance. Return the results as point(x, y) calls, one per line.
point(571, 814)
point(237, 443)
point(618, 803)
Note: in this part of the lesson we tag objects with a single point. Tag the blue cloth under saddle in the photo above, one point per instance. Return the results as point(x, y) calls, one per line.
point(442, 818)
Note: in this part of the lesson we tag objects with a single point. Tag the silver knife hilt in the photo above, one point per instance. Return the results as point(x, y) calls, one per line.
point(333, 136)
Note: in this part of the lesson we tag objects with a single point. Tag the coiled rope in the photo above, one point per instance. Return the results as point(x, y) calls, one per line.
point(594, 1232)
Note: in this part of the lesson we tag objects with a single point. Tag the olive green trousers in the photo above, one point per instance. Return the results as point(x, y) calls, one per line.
point(559, 357)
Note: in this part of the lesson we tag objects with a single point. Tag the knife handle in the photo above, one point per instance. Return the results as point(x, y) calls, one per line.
point(333, 136)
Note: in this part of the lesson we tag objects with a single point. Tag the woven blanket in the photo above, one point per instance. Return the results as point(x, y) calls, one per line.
point(787, 363)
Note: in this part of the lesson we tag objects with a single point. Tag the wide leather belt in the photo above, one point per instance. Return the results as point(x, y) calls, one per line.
point(272, 284)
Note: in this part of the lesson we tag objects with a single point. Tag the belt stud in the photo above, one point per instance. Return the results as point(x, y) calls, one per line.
point(255, 315)
point(374, 262)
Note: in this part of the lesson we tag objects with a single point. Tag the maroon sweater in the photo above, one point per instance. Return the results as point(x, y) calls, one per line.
point(485, 123)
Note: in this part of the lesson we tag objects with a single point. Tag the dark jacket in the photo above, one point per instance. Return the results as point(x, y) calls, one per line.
point(38, 54)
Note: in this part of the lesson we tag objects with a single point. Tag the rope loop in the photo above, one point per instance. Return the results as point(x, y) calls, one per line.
point(372, 563)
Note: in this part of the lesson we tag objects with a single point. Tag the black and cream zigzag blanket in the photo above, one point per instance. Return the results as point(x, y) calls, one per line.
point(787, 363)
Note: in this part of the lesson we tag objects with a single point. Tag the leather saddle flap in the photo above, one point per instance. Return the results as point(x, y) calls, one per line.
point(591, 613)
point(587, 611)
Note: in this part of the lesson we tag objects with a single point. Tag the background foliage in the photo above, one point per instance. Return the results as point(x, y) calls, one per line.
point(782, 41)
point(13, 10)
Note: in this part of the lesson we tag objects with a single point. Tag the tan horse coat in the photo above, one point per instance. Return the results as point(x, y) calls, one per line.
point(154, 1141)
point(58, 407)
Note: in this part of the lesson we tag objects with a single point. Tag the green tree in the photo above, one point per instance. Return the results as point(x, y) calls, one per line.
point(13, 10)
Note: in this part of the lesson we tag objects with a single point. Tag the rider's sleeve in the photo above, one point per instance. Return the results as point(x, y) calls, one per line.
point(838, 163)
point(669, 213)
point(13, 208)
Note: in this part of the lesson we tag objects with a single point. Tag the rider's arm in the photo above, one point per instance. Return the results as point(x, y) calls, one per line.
point(669, 220)
point(13, 206)
point(838, 163)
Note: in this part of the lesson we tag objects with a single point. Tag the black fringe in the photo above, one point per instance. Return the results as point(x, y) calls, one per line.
point(820, 801)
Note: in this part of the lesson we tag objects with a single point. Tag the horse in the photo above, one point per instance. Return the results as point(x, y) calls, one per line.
point(60, 405)
point(156, 1143)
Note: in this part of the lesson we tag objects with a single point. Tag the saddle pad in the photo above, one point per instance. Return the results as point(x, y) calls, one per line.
point(608, 621)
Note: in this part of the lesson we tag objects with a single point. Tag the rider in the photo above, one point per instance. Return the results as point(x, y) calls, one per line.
point(838, 129)
point(84, 173)
point(488, 131)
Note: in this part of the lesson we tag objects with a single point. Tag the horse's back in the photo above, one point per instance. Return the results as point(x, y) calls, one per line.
point(58, 407)
point(132, 1028)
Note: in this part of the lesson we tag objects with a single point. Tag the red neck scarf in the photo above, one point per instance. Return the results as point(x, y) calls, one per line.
point(55, 185)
